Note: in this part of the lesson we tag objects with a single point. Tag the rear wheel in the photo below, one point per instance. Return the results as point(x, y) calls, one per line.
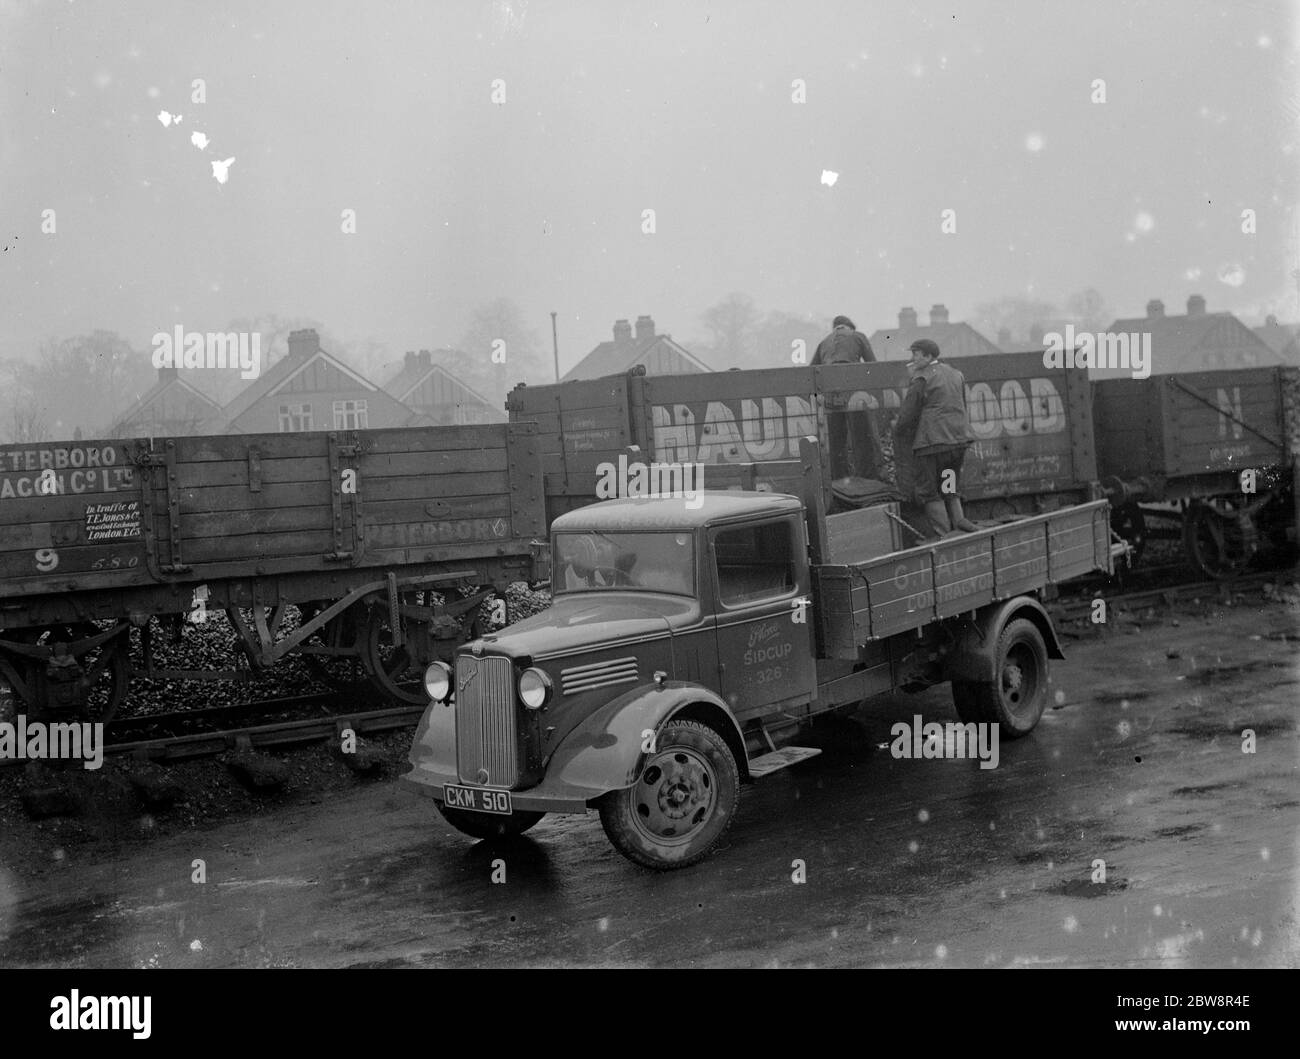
point(682, 802)
point(1017, 695)
point(487, 825)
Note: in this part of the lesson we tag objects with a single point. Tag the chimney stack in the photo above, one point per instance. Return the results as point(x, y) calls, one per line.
point(1155, 308)
point(938, 315)
point(1004, 337)
point(166, 373)
point(303, 343)
point(645, 328)
point(425, 357)
point(1270, 320)
point(1036, 333)
point(622, 332)
point(1196, 305)
point(907, 319)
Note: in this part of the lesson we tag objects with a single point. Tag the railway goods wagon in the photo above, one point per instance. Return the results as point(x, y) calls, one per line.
point(1201, 457)
point(356, 529)
point(1033, 449)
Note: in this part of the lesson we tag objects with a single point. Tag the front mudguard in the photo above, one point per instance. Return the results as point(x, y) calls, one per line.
point(606, 751)
point(602, 754)
point(973, 659)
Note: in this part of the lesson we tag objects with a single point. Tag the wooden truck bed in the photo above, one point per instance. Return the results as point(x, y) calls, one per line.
point(882, 595)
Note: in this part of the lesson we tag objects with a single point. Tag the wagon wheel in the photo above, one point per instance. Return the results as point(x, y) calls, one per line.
point(1128, 521)
point(343, 672)
point(1218, 543)
point(105, 672)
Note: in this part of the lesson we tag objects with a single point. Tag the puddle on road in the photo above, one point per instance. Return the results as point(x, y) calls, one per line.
point(1088, 888)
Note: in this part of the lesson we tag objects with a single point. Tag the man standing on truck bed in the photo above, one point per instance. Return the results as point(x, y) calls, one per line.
point(934, 415)
point(847, 345)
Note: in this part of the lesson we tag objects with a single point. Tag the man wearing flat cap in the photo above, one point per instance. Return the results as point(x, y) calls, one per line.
point(934, 417)
point(847, 345)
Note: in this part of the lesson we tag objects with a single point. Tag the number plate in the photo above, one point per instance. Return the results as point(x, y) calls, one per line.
point(476, 799)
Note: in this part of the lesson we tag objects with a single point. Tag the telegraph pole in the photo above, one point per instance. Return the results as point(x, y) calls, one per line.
point(555, 346)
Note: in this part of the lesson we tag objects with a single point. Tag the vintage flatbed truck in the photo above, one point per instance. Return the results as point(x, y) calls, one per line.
point(359, 530)
point(685, 646)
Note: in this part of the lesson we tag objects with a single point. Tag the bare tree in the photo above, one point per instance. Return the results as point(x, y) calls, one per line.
point(732, 325)
point(497, 351)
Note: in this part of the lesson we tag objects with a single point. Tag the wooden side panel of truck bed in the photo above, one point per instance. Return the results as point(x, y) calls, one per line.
point(883, 596)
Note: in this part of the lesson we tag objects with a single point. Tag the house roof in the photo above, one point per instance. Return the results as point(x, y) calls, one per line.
point(1278, 336)
point(411, 374)
point(161, 386)
point(954, 340)
point(1176, 340)
point(280, 373)
point(614, 358)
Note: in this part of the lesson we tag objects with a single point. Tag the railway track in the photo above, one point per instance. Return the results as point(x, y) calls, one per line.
point(187, 734)
point(1073, 608)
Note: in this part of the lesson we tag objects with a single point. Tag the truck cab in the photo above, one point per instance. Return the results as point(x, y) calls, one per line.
point(660, 613)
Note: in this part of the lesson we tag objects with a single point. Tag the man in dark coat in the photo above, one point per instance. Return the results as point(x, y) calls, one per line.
point(934, 415)
point(847, 345)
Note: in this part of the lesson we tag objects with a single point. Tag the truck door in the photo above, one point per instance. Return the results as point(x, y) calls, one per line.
point(765, 647)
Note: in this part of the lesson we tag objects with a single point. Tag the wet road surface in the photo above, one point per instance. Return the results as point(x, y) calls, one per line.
point(907, 863)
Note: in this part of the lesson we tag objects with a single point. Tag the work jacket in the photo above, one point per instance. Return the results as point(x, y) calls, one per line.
point(935, 408)
point(844, 346)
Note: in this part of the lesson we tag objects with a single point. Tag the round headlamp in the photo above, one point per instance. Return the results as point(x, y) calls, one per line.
point(534, 688)
point(437, 681)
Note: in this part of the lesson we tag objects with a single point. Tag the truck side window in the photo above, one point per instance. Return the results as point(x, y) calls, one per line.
point(754, 562)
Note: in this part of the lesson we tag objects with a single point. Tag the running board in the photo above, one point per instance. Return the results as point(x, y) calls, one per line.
point(778, 759)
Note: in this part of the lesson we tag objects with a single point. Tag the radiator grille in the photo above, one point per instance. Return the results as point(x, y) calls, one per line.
point(486, 739)
point(598, 675)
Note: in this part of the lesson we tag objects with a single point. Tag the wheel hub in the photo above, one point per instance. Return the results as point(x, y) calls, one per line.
point(675, 795)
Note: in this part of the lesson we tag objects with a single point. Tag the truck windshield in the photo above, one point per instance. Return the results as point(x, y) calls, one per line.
point(649, 562)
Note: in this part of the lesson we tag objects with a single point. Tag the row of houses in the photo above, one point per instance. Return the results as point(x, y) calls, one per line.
point(310, 389)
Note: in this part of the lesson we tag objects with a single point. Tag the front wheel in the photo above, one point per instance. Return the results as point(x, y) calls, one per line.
point(1016, 696)
point(488, 825)
point(682, 802)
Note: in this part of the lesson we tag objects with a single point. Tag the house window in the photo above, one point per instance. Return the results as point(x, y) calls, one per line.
point(350, 415)
point(295, 418)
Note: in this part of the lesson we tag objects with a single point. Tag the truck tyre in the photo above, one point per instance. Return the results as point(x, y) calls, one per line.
point(1017, 695)
point(486, 825)
point(682, 802)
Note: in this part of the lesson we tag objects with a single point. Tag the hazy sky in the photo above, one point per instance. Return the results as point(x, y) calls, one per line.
point(612, 108)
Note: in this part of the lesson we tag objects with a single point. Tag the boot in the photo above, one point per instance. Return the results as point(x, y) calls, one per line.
point(938, 517)
point(958, 517)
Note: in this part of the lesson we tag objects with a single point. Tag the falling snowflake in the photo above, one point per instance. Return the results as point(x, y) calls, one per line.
point(167, 119)
point(199, 140)
point(913, 846)
point(196, 945)
point(1034, 142)
point(602, 924)
point(1071, 924)
point(829, 177)
point(221, 170)
point(923, 815)
point(941, 951)
point(1144, 222)
point(1232, 274)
